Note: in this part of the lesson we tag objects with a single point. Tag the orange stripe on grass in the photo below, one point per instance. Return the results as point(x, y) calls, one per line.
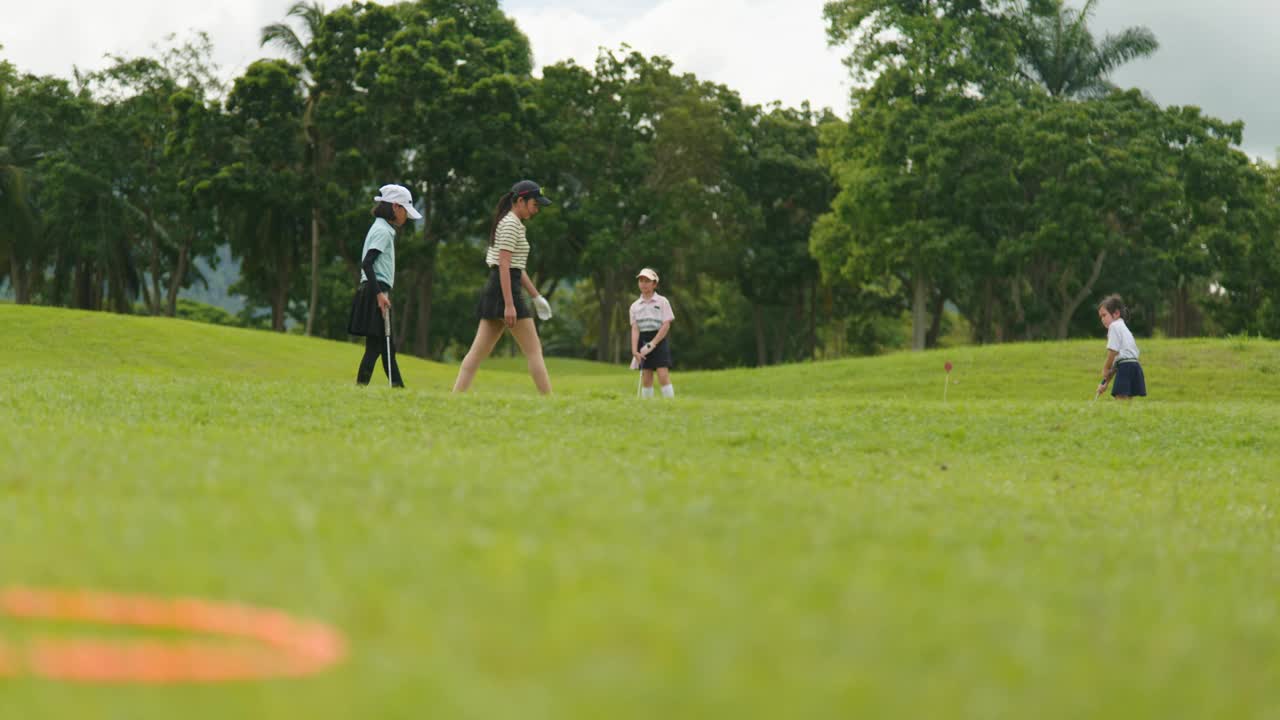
point(8, 665)
point(267, 643)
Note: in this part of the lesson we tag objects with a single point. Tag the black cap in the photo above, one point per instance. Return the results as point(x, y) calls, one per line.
point(530, 189)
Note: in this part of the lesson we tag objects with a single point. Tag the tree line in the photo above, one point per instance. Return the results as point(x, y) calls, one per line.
point(989, 182)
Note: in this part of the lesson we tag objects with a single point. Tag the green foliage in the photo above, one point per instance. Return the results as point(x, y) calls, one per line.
point(988, 169)
point(1058, 51)
point(839, 515)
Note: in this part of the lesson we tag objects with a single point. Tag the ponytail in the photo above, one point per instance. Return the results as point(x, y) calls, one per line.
point(1115, 305)
point(504, 207)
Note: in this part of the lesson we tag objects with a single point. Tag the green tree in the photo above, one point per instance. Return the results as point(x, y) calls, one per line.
point(641, 169)
point(921, 63)
point(17, 159)
point(1059, 53)
point(786, 188)
point(451, 85)
point(263, 192)
point(301, 50)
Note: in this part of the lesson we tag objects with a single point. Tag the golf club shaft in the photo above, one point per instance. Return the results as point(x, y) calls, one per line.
point(386, 326)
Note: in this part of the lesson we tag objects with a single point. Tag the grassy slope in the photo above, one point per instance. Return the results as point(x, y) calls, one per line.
point(817, 540)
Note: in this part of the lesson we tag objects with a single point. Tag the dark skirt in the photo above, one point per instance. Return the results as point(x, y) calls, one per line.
point(1129, 380)
point(660, 357)
point(366, 316)
point(491, 306)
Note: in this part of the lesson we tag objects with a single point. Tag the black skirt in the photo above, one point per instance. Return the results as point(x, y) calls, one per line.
point(660, 357)
point(1129, 380)
point(366, 316)
point(491, 306)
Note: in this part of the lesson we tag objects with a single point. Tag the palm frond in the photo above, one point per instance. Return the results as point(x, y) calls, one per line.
point(1131, 44)
point(283, 36)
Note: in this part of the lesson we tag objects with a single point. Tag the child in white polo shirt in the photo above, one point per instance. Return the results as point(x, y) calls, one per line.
point(1122, 353)
point(651, 318)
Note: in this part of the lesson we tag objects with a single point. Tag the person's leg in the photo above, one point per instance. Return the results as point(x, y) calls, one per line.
point(664, 379)
point(373, 349)
point(646, 382)
point(526, 335)
point(487, 336)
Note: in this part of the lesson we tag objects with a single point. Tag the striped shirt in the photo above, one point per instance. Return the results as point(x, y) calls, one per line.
point(649, 315)
point(510, 236)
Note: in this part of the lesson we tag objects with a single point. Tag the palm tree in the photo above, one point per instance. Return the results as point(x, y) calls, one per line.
point(16, 220)
point(298, 47)
point(1060, 54)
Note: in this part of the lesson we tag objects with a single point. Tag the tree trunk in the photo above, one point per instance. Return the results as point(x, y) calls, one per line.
point(426, 288)
point(757, 314)
point(812, 349)
point(154, 304)
point(919, 312)
point(315, 271)
point(607, 295)
point(400, 324)
point(1064, 320)
point(982, 330)
point(280, 300)
point(179, 273)
point(1181, 312)
point(21, 284)
point(935, 325)
point(82, 295)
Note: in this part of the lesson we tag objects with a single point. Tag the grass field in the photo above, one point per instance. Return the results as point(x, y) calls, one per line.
point(815, 541)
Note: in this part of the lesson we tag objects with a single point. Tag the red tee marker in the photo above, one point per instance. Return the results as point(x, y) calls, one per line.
point(947, 382)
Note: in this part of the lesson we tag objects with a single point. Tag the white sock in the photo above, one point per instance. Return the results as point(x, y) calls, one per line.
point(646, 392)
point(668, 391)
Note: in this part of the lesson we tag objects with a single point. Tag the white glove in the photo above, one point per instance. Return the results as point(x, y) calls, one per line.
point(542, 307)
point(648, 348)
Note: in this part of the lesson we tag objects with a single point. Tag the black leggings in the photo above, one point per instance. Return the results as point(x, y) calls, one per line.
point(376, 347)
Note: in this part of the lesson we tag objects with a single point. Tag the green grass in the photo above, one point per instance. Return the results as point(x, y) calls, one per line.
point(823, 540)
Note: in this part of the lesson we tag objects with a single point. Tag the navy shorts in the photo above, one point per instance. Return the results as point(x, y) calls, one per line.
point(661, 355)
point(1129, 380)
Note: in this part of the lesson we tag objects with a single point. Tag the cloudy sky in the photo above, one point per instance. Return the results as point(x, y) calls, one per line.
point(1222, 56)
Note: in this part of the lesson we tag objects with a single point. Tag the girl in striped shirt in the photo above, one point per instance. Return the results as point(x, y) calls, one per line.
point(501, 307)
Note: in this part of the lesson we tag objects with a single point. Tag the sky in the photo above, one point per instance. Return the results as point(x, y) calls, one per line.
point(1223, 56)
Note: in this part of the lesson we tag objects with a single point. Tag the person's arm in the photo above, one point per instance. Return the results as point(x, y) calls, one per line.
point(504, 277)
point(528, 285)
point(1109, 368)
point(635, 342)
point(662, 334)
point(367, 266)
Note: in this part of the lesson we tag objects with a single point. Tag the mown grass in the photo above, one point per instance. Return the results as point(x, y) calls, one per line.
point(823, 540)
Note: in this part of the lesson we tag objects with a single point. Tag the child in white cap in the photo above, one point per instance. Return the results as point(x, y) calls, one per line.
point(651, 318)
point(377, 275)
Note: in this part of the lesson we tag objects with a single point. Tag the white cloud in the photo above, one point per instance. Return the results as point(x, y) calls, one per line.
point(50, 37)
point(765, 49)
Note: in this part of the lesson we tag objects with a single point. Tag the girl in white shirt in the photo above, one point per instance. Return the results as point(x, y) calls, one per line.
point(1122, 353)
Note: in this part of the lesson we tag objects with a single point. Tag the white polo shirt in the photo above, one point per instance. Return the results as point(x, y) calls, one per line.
point(649, 315)
point(1121, 340)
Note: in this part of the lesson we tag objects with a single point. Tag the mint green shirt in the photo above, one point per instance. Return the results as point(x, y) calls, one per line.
point(381, 237)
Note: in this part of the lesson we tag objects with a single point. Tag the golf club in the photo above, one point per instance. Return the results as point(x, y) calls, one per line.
point(386, 326)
